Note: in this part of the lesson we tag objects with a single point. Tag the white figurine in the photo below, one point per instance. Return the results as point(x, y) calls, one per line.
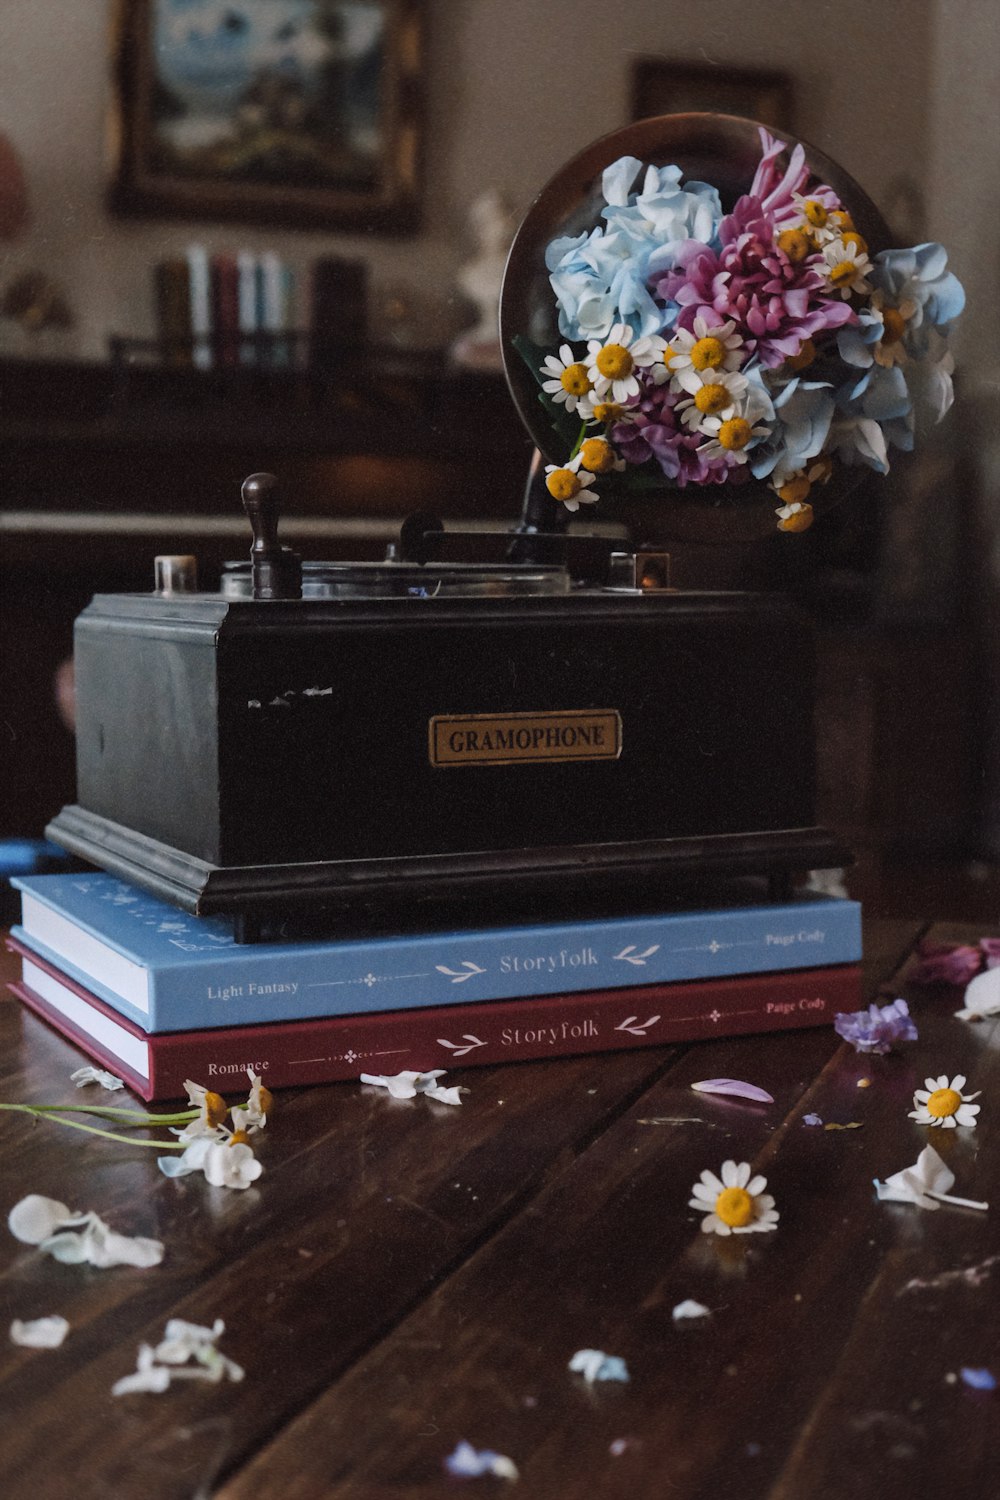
point(480, 279)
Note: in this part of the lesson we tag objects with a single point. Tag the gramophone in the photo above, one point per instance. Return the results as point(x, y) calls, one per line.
point(517, 723)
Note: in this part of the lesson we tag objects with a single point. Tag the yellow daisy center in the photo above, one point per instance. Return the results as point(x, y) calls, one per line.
point(795, 490)
point(711, 399)
point(562, 484)
point(597, 456)
point(216, 1109)
point(735, 434)
point(944, 1102)
point(801, 520)
point(669, 353)
point(708, 354)
point(815, 212)
point(796, 243)
point(265, 1100)
point(574, 380)
point(239, 1138)
point(615, 362)
point(842, 219)
point(734, 1206)
point(893, 325)
point(608, 411)
point(857, 244)
point(805, 356)
point(843, 273)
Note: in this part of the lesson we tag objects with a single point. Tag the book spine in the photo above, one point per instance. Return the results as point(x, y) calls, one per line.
point(487, 1033)
point(200, 290)
point(173, 311)
point(246, 278)
point(225, 308)
point(248, 986)
point(275, 307)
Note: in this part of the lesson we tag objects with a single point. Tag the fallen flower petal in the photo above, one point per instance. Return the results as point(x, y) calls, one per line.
point(812, 1119)
point(978, 1379)
point(990, 948)
point(107, 1080)
point(945, 963)
point(408, 1085)
point(926, 1184)
point(594, 1364)
point(850, 1125)
point(878, 1028)
point(733, 1086)
point(77, 1239)
point(690, 1309)
point(982, 996)
point(34, 1218)
point(467, 1462)
point(186, 1352)
point(39, 1333)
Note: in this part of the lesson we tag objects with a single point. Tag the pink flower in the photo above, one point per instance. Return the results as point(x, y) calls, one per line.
point(990, 949)
point(775, 303)
point(776, 190)
point(946, 963)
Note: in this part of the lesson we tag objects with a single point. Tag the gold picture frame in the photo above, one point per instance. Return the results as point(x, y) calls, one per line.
point(664, 87)
point(302, 113)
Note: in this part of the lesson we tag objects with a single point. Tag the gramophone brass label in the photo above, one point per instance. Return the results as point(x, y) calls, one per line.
point(506, 739)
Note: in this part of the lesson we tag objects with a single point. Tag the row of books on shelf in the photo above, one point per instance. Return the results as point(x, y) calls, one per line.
point(244, 308)
point(160, 996)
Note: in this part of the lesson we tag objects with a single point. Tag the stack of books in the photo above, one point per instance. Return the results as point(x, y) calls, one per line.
point(158, 996)
point(225, 309)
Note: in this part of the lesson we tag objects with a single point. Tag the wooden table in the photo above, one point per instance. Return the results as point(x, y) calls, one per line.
point(405, 1275)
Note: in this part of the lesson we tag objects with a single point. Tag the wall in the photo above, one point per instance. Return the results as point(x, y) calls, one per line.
point(514, 88)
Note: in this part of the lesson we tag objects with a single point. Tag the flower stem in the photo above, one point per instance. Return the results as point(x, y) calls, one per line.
point(959, 1202)
point(107, 1111)
point(110, 1135)
point(579, 442)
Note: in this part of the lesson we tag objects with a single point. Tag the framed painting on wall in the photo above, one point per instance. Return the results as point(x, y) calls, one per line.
point(662, 87)
point(276, 112)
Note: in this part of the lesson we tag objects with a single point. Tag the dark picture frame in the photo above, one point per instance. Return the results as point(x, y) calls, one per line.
point(660, 86)
point(298, 113)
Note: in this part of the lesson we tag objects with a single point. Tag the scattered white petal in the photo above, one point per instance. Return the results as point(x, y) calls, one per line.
point(78, 1239)
point(594, 1364)
point(690, 1309)
point(34, 1218)
point(982, 996)
point(186, 1352)
point(734, 1086)
point(467, 1462)
point(926, 1184)
point(408, 1085)
point(107, 1080)
point(39, 1333)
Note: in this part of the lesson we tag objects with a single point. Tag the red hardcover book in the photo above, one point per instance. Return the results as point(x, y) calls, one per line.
point(485, 1032)
point(225, 284)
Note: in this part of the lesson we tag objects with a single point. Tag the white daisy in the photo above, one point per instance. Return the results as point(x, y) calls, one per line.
point(712, 393)
point(733, 436)
point(708, 346)
point(845, 265)
point(734, 1202)
point(941, 1102)
point(568, 382)
point(566, 483)
point(613, 363)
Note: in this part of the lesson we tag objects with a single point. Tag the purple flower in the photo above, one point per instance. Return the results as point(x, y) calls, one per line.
point(878, 1028)
point(990, 949)
point(946, 963)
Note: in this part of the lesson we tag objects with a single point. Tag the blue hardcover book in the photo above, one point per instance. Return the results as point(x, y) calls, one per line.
point(173, 972)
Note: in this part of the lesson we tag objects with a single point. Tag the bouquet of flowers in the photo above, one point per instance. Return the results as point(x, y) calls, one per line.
point(712, 348)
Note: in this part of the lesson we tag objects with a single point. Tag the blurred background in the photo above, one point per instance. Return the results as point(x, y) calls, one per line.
point(370, 382)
